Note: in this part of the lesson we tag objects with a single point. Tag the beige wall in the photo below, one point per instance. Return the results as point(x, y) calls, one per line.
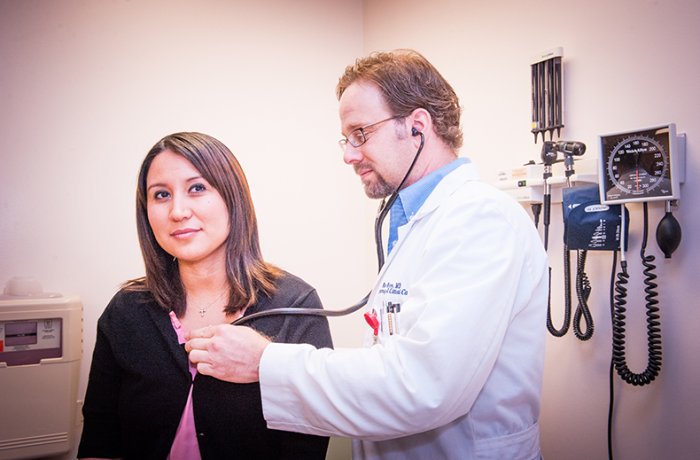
point(628, 64)
point(87, 87)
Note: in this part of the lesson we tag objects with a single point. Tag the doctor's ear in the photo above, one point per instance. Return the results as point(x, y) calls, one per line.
point(419, 120)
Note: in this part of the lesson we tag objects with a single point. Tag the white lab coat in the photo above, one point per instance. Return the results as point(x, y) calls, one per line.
point(461, 375)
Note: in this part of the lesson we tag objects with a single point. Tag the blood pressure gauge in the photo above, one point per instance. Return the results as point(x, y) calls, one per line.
point(640, 165)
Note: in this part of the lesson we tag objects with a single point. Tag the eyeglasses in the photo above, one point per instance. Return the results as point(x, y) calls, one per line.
point(357, 136)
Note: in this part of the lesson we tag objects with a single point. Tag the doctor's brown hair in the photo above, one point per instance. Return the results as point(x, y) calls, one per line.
point(248, 274)
point(408, 82)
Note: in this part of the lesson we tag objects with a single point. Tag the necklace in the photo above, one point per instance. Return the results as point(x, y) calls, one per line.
point(203, 309)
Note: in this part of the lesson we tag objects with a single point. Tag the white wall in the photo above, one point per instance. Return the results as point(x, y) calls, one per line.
point(86, 88)
point(628, 64)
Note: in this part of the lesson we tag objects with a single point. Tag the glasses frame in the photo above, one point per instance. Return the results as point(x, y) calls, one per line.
point(362, 134)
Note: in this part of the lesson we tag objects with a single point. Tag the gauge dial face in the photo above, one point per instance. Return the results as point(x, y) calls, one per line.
point(637, 166)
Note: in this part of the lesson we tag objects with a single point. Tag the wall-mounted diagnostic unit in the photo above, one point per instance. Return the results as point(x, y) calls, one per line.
point(40, 353)
point(642, 166)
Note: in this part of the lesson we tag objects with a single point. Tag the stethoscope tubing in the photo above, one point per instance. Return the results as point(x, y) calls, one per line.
point(379, 221)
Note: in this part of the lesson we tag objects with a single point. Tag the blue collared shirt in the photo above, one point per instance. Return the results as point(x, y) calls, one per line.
point(412, 198)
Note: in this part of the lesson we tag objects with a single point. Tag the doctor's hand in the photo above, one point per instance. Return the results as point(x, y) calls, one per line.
point(227, 352)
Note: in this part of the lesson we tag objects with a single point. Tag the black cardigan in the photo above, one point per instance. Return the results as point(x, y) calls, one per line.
point(139, 382)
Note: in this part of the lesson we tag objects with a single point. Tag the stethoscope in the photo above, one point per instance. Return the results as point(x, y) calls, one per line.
point(384, 208)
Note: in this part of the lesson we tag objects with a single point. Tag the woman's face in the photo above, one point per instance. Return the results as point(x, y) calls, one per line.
point(188, 216)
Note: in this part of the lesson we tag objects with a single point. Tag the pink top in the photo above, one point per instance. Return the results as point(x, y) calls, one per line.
point(185, 445)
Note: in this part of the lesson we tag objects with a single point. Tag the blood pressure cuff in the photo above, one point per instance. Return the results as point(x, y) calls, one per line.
point(588, 224)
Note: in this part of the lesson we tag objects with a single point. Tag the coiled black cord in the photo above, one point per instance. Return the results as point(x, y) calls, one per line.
point(583, 291)
point(653, 319)
point(567, 298)
point(611, 375)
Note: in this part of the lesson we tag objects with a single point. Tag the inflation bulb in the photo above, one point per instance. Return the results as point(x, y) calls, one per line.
point(668, 233)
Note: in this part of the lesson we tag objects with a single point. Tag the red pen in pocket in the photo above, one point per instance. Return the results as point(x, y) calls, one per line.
point(373, 322)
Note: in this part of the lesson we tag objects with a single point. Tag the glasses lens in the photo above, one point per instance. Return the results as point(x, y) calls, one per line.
point(357, 137)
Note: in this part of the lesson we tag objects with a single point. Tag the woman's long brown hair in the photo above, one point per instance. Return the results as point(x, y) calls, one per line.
point(248, 274)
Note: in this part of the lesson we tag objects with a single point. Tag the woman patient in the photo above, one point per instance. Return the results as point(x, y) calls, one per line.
point(199, 239)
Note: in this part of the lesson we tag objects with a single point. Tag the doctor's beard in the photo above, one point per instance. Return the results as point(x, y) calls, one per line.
point(377, 188)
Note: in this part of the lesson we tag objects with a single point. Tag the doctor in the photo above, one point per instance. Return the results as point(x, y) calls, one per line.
point(453, 361)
